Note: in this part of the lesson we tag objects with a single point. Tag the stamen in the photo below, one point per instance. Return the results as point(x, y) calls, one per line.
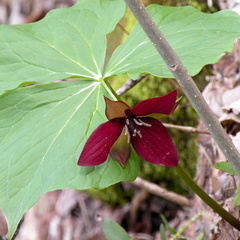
point(137, 132)
point(141, 123)
point(137, 122)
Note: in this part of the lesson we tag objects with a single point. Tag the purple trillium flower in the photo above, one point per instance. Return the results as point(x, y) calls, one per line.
point(138, 126)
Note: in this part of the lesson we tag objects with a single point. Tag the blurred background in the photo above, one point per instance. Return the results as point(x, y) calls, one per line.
point(73, 215)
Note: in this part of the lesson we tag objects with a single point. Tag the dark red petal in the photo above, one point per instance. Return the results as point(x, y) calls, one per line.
point(163, 105)
point(100, 142)
point(115, 109)
point(155, 146)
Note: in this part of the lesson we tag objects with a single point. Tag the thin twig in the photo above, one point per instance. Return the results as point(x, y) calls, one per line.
point(144, 236)
point(186, 82)
point(185, 129)
point(162, 192)
point(85, 213)
point(129, 84)
point(136, 202)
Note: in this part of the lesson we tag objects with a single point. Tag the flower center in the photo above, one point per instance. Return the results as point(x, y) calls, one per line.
point(132, 125)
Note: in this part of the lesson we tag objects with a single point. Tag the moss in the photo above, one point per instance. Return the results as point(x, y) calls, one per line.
point(115, 195)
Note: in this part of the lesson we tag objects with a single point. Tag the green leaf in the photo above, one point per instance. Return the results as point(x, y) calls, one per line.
point(170, 229)
point(67, 43)
point(162, 232)
point(43, 130)
point(236, 199)
point(225, 166)
point(113, 231)
point(198, 38)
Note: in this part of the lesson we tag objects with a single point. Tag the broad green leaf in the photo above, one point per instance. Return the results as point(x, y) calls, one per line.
point(236, 199)
point(67, 43)
point(167, 226)
point(225, 166)
point(162, 232)
point(113, 231)
point(43, 130)
point(198, 39)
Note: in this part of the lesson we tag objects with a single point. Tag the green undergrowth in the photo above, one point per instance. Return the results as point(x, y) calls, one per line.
point(115, 195)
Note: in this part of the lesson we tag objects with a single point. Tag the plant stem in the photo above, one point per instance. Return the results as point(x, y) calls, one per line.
point(208, 200)
point(109, 89)
point(186, 83)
